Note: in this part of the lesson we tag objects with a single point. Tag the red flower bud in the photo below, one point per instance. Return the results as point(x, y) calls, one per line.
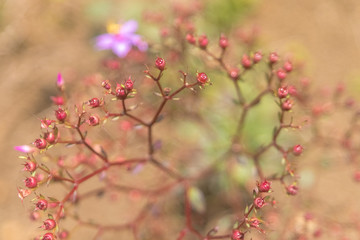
point(30, 166)
point(60, 114)
point(129, 84)
point(223, 42)
point(234, 73)
point(297, 150)
point(288, 66)
point(203, 41)
point(42, 204)
point(292, 190)
point(237, 235)
point(259, 202)
point(282, 92)
point(265, 186)
point(120, 92)
point(50, 137)
point(93, 120)
point(160, 64)
point(94, 102)
point(273, 57)
point(202, 78)
point(287, 105)
point(281, 74)
point(31, 182)
point(105, 84)
point(257, 57)
point(190, 38)
point(58, 100)
point(40, 143)
point(48, 236)
point(246, 61)
point(49, 224)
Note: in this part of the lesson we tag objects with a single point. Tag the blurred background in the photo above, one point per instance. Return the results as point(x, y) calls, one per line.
point(40, 38)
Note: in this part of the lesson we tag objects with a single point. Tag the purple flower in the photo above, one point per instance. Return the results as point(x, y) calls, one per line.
point(121, 38)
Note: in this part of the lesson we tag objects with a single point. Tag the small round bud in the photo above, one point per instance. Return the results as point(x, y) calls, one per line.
point(58, 100)
point(30, 166)
point(105, 84)
point(288, 66)
point(42, 204)
point(93, 120)
point(281, 74)
point(48, 236)
point(297, 150)
point(246, 61)
point(259, 202)
point(202, 78)
point(31, 182)
point(40, 143)
point(190, 38)
point(129, 84)
point(292, 90)
point(254, 222)
point(60, 114)
point(63, 234)
point(273, 58)
point(234, 73)
point(265, 186)
point(50, 137)
point(120, 92)
point(49, 224)
point(203, 41)
point(237, 235)
point(287, 105)
point(160, 64)
point(292, 190)
point(283, 92)
point(94, 102)
point(223, 42)
point(257, 57)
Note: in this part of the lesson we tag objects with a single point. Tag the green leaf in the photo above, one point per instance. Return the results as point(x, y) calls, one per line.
point(197, 199)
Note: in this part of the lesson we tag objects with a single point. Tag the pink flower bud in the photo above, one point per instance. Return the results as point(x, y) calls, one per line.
point(129, 84)
point(93, 120)
point(105, 84)
point(40, 143)
point(203, 41)
point(48, 236)
point(160, 64)
point(281, 74)
point(202, 78)
point(58, 100)
point(50, 137)
point(288, 66)
point(60, 114)
point(223, 42)
point(60, 81)
point(287, 105)
point(246, 61)
point(49, 224)
point(42, 204)
point(292, 190)
point(265, 186)
point(282, 92)
point(273, 58)
point(30, 166)
point(297, 150)
point(292, 90)
point(94, 102)
point(190, 38)
point(257, 57)
point(234, 74)
point(120, 92)
point(237, 235)
point(259, 202)
point(31, 182)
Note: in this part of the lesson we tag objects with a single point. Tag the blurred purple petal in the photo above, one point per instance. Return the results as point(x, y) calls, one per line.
point(60, 80)
point(24, 149)
point(129, 27)
point(105, 41)
point(121, 49)
point(142, 46)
